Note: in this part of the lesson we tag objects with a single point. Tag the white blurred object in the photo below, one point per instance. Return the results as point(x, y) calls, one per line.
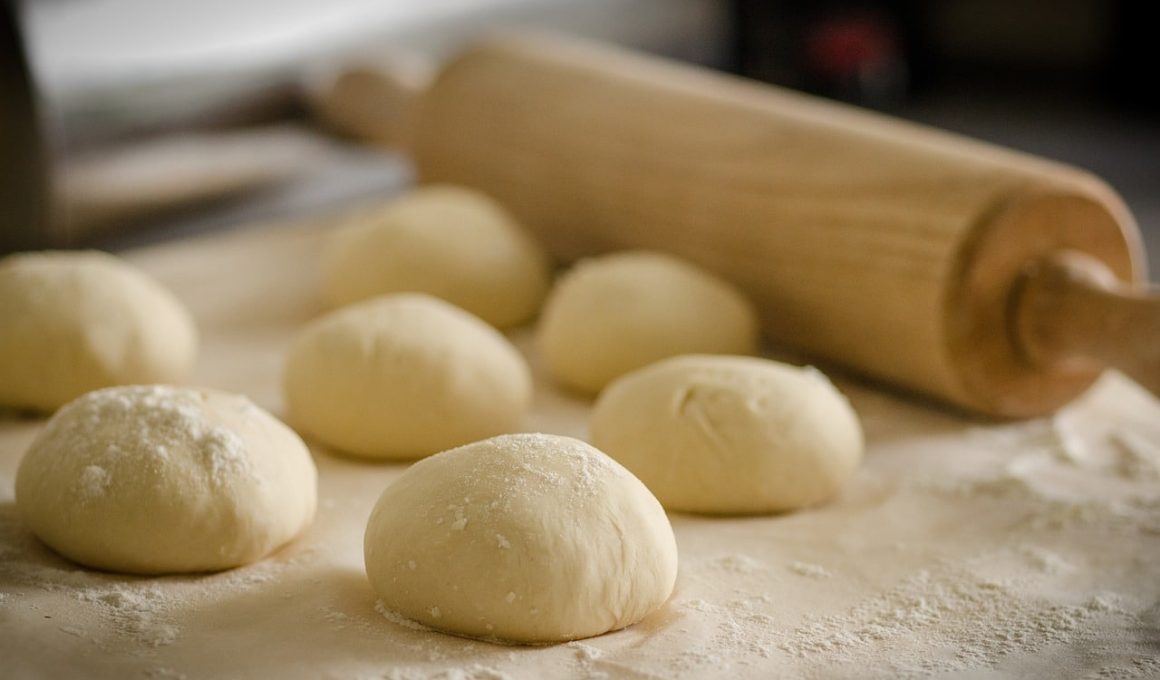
point(101, 190)
point(110, 66)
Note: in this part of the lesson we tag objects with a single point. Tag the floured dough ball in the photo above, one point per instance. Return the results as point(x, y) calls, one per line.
point(71, 322)
point(617, 313)
point(451, 242)
point(156, 480)
point(404, 376)
point(525, 538)
point(730, 435)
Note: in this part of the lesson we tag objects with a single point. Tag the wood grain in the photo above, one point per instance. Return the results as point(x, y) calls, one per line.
point(1073, 312)
point(877, 244)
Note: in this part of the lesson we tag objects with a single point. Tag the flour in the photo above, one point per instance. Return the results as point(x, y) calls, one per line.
point(398, 619)
point(1140, 668)
point(165, 673)
point(92, 484)
point(1006, 551)
point(137, 611)
point(472, 672)
point(738, 636)
point(1079, 494)
point(987, 619)
point(954, 616)
point(166, 419)
point(810, 570)
point(224, 455)
point(1069, 446)
point(585, 653)
point(1045, 561)
point(585, 469)
point(1139, 457)
point(736, 563)
point(335, 617)
point(588, 657)
point(460, 521)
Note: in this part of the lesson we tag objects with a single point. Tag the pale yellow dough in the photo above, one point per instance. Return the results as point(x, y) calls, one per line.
point(451, 242)
point(404, 376)
point(614, 314)
point(155, 479)
point(71, 322)
point(527, 538)
point(730, 435)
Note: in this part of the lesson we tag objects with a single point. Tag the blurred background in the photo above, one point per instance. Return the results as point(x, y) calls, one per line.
point(133, 121)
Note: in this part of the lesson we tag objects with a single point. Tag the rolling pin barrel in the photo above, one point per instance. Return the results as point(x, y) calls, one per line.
point(892, 249)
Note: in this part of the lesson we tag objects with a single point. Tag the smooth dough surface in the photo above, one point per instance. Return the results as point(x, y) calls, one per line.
point(153, 479)
point(526, 538)
point(451, 242)
point(730, 435)
point(71, 322)
point(404, 376)
point(614, 314)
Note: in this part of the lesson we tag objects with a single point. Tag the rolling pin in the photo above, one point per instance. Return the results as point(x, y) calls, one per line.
point(993, 280)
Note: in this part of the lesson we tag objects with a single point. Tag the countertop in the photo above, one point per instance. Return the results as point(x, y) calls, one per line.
point(961, 548)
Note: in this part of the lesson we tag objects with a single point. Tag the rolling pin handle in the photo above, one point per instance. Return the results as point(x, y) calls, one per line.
point(370, 97)
point(1071, 312)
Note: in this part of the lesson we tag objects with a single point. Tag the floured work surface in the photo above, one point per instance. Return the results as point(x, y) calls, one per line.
point(999, 550)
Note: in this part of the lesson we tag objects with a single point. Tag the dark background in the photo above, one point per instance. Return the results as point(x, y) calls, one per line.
point(1072, 80)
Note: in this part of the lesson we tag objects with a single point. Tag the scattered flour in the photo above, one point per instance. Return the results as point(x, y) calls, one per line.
point(164, 673)
point(398, 619)
point(585, 653)
point(92, 484)
point(736, 563)
point(141, 427)
point(472, 672)
point(589, 657)
point(948, 616)
point(337, 618)
point(1075, 498)
point(1070, 447)
point(137, 610)
point(1046, 561)
point(810, 570)
point(740, 635)
point(911, 624)
point(1139, 668)
point(1139, 457)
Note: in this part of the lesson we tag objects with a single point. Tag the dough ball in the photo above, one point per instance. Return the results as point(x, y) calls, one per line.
point(730, 435)
point(526, 538)
point(71, 322)
point(451, 242)
point(404, 376)
point(156, 480)
point(617, 313)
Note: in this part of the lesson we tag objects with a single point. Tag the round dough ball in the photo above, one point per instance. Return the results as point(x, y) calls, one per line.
point(78, 321)
point(404, 376)
point(151, 479)
point(451, 242)
point(527, 538)
point(617, 313)
point(730, 435)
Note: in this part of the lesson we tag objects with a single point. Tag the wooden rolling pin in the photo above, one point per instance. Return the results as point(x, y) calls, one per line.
point(994, 280)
